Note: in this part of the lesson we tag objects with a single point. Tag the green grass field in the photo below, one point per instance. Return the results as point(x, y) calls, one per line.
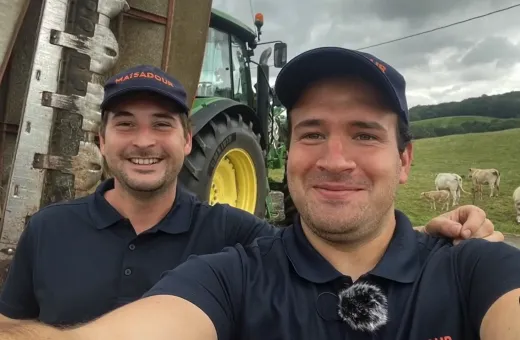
point(457, 153)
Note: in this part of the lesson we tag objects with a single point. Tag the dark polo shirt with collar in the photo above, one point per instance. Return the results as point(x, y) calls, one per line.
point(281, 288)
point(80, 259)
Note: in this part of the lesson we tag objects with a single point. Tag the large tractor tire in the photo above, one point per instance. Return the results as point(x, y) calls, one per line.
point(226, 165)
point(288, 204)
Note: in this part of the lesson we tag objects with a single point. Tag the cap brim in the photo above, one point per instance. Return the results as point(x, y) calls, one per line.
point(325, 62)
point(114, 96)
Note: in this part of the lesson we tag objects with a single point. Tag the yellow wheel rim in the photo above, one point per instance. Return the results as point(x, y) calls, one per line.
point(234, 181)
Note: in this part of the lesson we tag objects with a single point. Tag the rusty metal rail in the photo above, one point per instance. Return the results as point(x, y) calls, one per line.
point(158, 19)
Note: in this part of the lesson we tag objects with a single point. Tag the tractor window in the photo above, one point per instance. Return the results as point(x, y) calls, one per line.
point(240, 83)
point(215, 78)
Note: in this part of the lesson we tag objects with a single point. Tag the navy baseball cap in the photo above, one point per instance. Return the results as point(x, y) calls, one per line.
point(323, 62)
point(144, 78)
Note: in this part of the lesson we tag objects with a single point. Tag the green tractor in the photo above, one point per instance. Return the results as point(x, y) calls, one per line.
point(231, 148)
point(55, 56)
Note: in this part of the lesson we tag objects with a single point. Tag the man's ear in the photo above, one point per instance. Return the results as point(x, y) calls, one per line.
point(188, 145)
point(406, 163)
point(101, 143)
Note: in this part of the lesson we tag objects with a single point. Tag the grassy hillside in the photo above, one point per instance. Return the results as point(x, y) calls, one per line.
point(456, 154)
point(458, 125)
point(499, 106)
point(444, 122)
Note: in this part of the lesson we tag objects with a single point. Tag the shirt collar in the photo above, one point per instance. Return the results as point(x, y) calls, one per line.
point(178, 219)
point(399, 263)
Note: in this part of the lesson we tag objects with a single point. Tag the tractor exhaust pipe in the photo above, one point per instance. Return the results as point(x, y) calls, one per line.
point(262, 94)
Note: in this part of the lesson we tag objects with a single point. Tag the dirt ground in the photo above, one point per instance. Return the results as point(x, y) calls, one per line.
point(513, 240)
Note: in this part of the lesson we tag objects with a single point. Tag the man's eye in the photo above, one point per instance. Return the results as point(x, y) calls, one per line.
point(124, 124)
point(163, 124)
point(365, 136)
point(313, 135)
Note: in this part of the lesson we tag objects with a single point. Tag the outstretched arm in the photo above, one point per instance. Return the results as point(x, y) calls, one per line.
point(502, 320)
point(200, 299)
point(159, 317)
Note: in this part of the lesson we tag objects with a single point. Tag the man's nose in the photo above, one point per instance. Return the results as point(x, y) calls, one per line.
point(336, 157)
point(144, 138)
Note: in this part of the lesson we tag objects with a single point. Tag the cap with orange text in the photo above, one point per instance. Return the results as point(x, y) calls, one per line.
point(144, 78)
point(322, 62)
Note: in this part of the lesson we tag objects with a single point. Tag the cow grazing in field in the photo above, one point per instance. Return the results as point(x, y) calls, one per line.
point(451, 182)
point(485, 176)
point(516, 202)
point(438, 196)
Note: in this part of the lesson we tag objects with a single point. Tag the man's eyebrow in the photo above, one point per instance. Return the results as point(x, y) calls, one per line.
point(121, 114)
point(124, 113)
point(368, 125)
point(313, 122)
point(168, 115)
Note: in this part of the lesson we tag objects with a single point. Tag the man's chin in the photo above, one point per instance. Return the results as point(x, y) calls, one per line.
point(144, 186)
point(336, 214)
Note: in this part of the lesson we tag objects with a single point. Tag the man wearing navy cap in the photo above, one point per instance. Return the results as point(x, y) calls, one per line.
point(282, 286)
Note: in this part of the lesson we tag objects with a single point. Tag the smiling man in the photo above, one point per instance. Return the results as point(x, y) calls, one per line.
point(349, 151)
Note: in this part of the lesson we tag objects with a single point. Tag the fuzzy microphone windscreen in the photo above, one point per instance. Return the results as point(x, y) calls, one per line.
point(363, 306)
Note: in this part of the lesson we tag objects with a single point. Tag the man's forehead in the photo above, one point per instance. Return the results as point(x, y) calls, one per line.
point(346, 92)
point(145, 99)
point(129, 113)
point(380, 119)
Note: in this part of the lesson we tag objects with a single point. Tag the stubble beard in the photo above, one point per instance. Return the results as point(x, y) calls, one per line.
point(146, 189)
point(365, 222)
point(353, 230)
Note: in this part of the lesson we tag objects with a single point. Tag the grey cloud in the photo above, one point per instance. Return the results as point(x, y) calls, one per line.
point(436, 65)
point(492, 49)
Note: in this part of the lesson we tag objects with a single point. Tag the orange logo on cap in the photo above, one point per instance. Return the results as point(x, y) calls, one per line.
point(149, 75)
point(378, 64)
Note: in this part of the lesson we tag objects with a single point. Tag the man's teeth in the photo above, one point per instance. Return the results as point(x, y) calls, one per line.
point(144, 161)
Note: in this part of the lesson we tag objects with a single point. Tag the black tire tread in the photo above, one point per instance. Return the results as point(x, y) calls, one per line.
point(289, 208)
point(192, 174)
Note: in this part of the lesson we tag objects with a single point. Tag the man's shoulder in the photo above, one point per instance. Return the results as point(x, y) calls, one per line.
point(261, 250)
point(460, 259)
point(55, 213)
point(221, 214)
point(217, 210)
point(476, 249)
point(429, 245)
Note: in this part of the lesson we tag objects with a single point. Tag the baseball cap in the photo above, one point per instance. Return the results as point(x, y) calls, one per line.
point(323, 62)
point(144, 78)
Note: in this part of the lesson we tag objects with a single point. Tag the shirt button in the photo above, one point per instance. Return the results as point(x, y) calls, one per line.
point(131, 246)
point(128, 272)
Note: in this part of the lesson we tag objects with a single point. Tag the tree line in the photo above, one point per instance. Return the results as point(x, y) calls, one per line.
point(503, 112)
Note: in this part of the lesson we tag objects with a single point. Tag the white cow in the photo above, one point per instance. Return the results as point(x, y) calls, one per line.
point(439, 196)
point(451, 182)
point(485, 176)
point(516, 200)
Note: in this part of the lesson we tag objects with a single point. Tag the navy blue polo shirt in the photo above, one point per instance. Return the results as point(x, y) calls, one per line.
point(280, 287)
point(80, 259)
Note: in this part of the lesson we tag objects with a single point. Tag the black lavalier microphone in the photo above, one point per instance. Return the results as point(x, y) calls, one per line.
point(363, 306)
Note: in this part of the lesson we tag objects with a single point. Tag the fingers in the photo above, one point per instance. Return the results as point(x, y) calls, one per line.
point(465, 222)
point(496, 236)
point(477, 227)
point(443, 227)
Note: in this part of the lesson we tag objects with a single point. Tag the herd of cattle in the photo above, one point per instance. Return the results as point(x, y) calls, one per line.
point(449, 186)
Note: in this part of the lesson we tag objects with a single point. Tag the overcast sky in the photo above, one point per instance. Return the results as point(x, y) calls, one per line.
point(467, 60)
